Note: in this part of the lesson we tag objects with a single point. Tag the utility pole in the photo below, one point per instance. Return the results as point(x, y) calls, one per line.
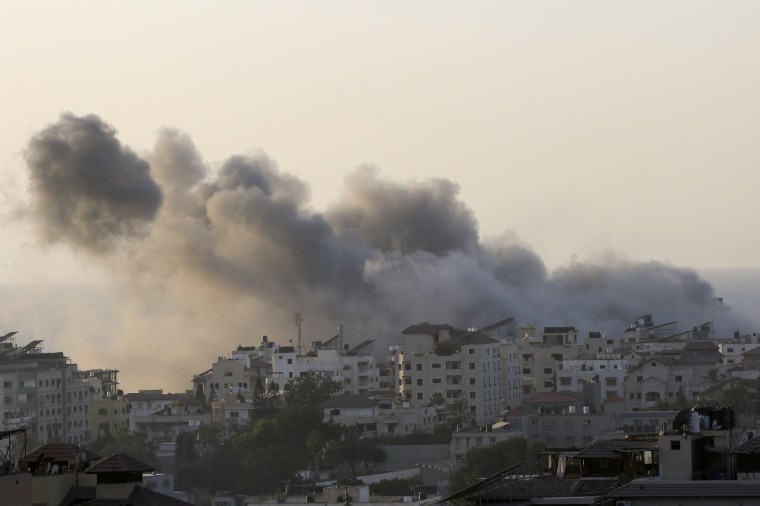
point(299, 321)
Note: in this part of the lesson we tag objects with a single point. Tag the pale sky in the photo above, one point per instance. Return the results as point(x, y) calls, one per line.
point(581, 127)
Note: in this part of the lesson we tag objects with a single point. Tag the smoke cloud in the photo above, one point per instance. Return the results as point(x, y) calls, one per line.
point(219, 258)
point(89, 190)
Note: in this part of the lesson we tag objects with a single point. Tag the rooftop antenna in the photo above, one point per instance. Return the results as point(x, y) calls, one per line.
point(299, 321)
point(340, 338)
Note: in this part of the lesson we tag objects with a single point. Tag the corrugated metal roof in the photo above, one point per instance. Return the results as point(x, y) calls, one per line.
point(686, 489)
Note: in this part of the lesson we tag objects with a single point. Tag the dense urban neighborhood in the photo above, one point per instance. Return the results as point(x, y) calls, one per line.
point(460, 415)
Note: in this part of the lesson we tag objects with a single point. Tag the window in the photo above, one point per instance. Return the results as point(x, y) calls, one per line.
point(436, 365)
point(420, 396)
point(419, 382)
point(472, 395)
point(679, 378)
point(7, 384)
point(610, 382)
point(234, 414)
point(437, 380)
point(565, 382)
point(419, 367)
point(526, 370)
point(639, 379)
point(557, 357)
point(471, 366)
point(472, 381)
point(675, 445)
point(471, 351)
point(547, 370)
point(228, 373)
point(290, 361)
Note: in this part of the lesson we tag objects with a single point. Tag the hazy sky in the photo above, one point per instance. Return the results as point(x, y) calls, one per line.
point(580, 127)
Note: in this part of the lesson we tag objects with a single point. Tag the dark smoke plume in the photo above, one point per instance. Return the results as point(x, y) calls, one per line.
point(87, 188)
point(225, 257)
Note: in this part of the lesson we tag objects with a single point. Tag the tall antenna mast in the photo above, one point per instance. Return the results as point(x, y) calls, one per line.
point(340, 339)
point(299, 321)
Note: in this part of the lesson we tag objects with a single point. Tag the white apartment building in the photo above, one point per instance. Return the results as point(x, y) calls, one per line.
point(733, 351)
point(374, 418)
point(671, 378)
point(438, 359)
point(237, 374)
point(354, 368)
point(608, 369)
point(505, 332)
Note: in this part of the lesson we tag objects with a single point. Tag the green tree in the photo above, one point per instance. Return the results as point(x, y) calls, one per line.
point(739, 396)
point(135, 445)
point(436, 399)
point(460, 415)
point(484, 461)
point(201, 396)
point(713, 377)
point(310, 389)
point(315, 443)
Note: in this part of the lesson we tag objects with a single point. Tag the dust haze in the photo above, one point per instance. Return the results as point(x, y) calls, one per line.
point(202, 260)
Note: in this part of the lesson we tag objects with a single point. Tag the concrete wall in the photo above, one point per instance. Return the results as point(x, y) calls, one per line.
point(405, 456)
point(395, 475)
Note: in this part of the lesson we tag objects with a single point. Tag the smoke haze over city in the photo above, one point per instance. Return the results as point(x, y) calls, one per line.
point(175, 186)
point(207, 259)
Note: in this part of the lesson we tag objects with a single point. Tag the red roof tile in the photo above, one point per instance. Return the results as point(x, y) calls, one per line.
point(61, 453)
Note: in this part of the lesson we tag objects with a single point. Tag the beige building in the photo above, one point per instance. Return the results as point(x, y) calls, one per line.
point(456, 364)
point(542, 357)
point(108, 416)
point(47, 392)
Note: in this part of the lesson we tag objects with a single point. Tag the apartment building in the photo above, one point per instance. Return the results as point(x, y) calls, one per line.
point(505, 332)
point(375, 418)
point(671, 377)
point(455, 364)
point(608, 369)
point(354, 368)
point(542, 357)
point(47, 392)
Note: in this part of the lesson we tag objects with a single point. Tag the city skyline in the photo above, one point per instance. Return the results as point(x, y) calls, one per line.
point(581, 134)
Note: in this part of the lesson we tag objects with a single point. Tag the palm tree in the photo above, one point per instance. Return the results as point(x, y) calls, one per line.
point(713, 377)
point(315, 444)
point(436, 399)
point(460, 415)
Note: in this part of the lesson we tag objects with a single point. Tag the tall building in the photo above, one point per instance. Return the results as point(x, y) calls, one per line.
point(439, 360)
point(47, 392)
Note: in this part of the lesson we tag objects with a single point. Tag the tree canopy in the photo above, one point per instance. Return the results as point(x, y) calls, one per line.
point(310, 389)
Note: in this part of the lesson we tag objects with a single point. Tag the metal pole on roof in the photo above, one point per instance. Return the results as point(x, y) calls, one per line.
point(299, 321)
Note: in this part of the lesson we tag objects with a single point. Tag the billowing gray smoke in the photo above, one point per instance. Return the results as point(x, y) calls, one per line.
point(237, 252)
point(88, 188)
